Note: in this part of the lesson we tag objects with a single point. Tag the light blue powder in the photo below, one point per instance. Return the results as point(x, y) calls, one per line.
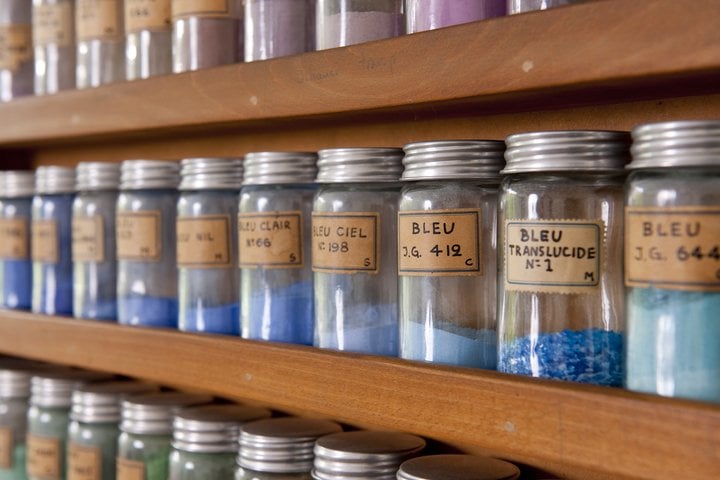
point(363, 328)
point(221, 319)
point(147, 311)
point(283, 314)
point(454, 345)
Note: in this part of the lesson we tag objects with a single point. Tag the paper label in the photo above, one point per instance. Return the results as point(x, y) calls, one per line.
point(129, 469)
point(14, 239)
point(88, 239)
point(147, 15)
point(204, 242)
point(553, 256)
point(43, 457)
point(346, 242)
point(97, 19)
point(138, 235)
point(203, 8)
point(439, 243)
point(15, 46)
point(53, 24)
point(677, 248)
point(6, 448)
point(83, 462)
point(44, 241)
point(271, 240)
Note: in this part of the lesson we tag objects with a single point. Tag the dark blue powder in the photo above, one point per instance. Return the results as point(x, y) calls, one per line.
point(282, 315)
point(16, 280)
point(146, 311)
point(223, 319)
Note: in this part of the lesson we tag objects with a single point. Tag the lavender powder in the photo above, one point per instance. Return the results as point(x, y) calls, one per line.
point(431, 14)
point(350, 28)
point(276, 28)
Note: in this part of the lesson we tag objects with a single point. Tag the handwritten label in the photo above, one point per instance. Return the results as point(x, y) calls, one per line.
point(553, 256)
point(88, 239)
point(43, 457)
point(14, 239)
point(204, 8)
point(6, 448)
point(138, 235)
point(15, 46)
point(677, 248)
point(98, 19)
point(44, 241)
point(147, 15)
point(84, 462)
point(271, 240)
point(53, 24)
point(346, 242)
point(204, 242)
point(129, 469)
point(439, 243)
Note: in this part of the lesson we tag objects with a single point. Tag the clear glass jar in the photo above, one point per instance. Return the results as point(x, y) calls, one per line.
point(447, 228)
point(424, 15)
point(93, 241)
point(100, 42)
point(148, 38)
point(16, 191)
point(14, 396)
point(16, 50)
point(51, 242)
point(457, 467)
point(276, 297)
point(340, 23)
point(145, 240)
point(206, 35)
point(521, 6)
point(354, 250)
point(560, 233)
point(208, 275)
point(672, 258)
point(276, 28)
point(53, 32)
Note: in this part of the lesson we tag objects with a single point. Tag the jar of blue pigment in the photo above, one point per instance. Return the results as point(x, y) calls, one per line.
point(354, 250)
point(16, 192)
point(672, 260)
point(275, 248)
point(208, 276)
point(560, 311)
point(447, 256)
point(145, 241)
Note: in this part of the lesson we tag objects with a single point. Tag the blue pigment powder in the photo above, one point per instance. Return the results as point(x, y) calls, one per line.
point(371, 329)
point(281, 314)
point(451, 345)
point(103, 310)
point(221, 319)
point(586, 356)
point(16, 281)
point(147, 311)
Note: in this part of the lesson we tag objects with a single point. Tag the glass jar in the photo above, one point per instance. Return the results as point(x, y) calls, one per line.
point(146, 433)
point(354, 250)
point(14, 395)
point(364, 454)
point(205, 440)
point(424, 15)
point(346, 22)
point(16, 191)
point(561, 232)
point(457, 467)
point(206, 34)
point(16, 50)
point(208, 274)
point(521, 6)
point(672, 255)
point(447, 226)
point(148, 38)
point(53, 32)
point(276, 297)
point(280, 448)
point(276, 28)
point(145, 240)
point(100, 42)
point(93, 241)
point(51, 242)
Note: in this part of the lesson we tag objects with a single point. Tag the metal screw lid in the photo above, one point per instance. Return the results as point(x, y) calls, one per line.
point(55, 388)
point(100, 402)
point(149, 174)
point(363, 455)
point(97, 176)
point(685, 143)
point(54, 180)
point(359, 165)
point(211, 174)
point(454, 159)
point(153, 413)
point(567, 151)
point(17, 183)
point(282, 445)
point(457, 467)
point(267, 168)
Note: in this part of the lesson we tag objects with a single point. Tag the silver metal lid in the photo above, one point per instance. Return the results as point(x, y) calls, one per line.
point(100, 402)
point(282, 445)
point(267, 168)
point(153, 414)
point(211, 174)
point(454, 159)
point(52, 180)
point(17, 183)
point(676, 144)
point(363, 455)
point(14, 382)
point(457, 467)
point(149, 174)
point(55, 388)
point(567, 151)
point(359, 165)
point(97, 176)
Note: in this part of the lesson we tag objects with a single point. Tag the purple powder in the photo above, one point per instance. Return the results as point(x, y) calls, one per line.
point(349, 28)
point(200, 42)
point(431, 14)
point(276, 28)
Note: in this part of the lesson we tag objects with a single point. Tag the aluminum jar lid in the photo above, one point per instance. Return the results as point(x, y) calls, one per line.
point(153, 413)
point(55, 388)
point(213, 428)
point(54, 180)
point(211, 174)
point(363, 455)
point(268, 168)
point(685, 143)
point(454, 160)
point(17, 183)
point(359, 165)
point(567, 151)
point(97, 176)
point(282, 445)
point(457, 467)
point(14, 382)
point(149, 174)
point(100, 402)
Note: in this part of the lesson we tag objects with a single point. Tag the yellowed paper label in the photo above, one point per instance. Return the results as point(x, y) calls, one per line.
point(53, 24)
point(44, 241)
point(147, 15)
point(553, 256)
point(15, 46)
point(439, 243)
point(138, 235)
point(98, 19)
point(204, 242)
point(676, 248)
point(204, 8)
point(6, 448)
point(129, 469)
point(84, 462)
point(271, 240)
point(14, 239)
point(43, 457)
point(346, 242)
point(88, 239)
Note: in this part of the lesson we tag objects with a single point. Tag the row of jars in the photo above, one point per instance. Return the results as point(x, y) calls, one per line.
point(52, 45)
point(58, 423)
